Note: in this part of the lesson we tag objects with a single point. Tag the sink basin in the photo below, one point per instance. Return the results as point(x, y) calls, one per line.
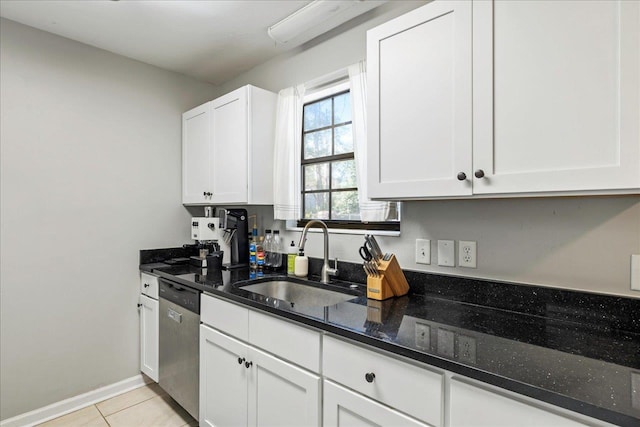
point(299, 294)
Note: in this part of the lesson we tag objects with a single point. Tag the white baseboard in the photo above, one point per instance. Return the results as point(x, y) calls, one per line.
point(66, 406)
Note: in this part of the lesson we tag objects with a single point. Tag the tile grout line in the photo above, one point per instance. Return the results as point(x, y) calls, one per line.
point(128, 407)
point(102, 415)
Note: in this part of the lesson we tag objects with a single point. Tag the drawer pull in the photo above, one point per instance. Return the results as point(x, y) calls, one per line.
point(461, 176)
point(240, 360)
point(146, 285)
point(369, 376)
point(248, 364)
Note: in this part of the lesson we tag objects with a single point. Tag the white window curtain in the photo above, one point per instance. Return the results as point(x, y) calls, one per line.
point(369, 210)
point(287, 152)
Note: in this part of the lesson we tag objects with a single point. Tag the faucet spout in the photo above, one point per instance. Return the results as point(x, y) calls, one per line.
point(326, 270)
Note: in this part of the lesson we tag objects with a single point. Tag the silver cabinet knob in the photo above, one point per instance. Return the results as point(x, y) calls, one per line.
point(462, 176)
point(479, 173)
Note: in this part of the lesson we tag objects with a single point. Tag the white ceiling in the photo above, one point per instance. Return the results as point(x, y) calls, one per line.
point(212, 41)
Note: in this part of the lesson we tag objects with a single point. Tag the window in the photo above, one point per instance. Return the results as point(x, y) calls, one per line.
point(329, 185)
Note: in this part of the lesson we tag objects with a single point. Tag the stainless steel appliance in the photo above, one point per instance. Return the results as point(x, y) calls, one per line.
point(179, 357)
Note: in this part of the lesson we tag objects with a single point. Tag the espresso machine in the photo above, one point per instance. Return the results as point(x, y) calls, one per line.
point(228, 230)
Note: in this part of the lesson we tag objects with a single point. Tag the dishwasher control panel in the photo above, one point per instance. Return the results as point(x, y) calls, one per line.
point(183, 296)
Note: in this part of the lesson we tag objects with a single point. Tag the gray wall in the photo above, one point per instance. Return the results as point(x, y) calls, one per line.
point(582, 243)
point(90, 174)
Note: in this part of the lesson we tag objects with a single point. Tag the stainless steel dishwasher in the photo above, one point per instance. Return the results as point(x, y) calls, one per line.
point(179, 359)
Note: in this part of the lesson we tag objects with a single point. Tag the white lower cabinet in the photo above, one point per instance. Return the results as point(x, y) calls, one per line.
point(223, 380)
point(261, 370)
point(149, 337)
point(346, 408)
point(242, 385)
point(148, 309)
point(409, 388)
point(481, 405)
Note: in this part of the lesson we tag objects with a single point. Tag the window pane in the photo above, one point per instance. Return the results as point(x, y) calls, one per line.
point(317, 144)
point(343, 140)
point(342, 108)
point(344, 205)
point(316, 205)
point(343, 174)
point(316, 177)
point(317, 115)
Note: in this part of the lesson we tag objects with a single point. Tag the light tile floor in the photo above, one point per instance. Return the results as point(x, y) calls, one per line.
point(147, 406)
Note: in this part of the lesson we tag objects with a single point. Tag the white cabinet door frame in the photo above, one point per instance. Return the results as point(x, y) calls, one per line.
point(230, 148)
point(556, 113)
point(197, 154)
point(149, 325)
point(223, 379)
point(419, 103)
point(345, 408)
point(281, 394)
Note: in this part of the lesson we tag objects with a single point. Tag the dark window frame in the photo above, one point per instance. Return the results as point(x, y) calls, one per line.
point(332, 223)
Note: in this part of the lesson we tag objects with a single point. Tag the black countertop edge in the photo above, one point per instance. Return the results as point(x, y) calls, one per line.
point(456, 368)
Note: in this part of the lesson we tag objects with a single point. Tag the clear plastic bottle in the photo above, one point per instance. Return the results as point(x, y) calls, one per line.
point(276, 250)
point(268, 251)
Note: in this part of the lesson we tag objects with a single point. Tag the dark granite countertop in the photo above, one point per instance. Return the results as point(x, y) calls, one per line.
point(574, 350)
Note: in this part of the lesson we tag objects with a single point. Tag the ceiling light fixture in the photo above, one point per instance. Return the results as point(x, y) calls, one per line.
point(317, 18)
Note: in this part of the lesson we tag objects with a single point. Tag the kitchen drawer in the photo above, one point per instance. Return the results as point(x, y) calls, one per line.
point(225, 316)
point(483, 405)
point(149, 285)
point(282, 338)
point(404, 386)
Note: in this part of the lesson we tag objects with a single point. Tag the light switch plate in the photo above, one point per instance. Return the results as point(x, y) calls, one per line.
point(446, 342)
point(447, 253)
point(423, 251)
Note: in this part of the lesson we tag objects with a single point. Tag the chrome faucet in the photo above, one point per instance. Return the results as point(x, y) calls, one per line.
point(326, 270)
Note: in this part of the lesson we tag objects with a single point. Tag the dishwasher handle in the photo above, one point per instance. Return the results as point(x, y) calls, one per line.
point(174, 315)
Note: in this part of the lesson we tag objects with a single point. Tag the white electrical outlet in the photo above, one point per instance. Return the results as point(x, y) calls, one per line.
point(635, 272)
point(466, 349)
point(423, 251)
point(467, 254)
point(447, 253)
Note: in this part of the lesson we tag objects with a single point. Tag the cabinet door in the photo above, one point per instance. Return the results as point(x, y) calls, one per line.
point(196, 154)
point(223, 379)
point(281, 394)
point(149, 337)
point(556, 95)
point(345, 408)
point(230, 150)
point(473, 406)
point(419, 107)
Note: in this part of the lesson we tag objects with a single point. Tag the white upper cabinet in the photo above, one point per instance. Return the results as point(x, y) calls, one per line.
point(419, 109)
point(514, 98)
point(556, 94)
point(196, 154)
point(227, 149)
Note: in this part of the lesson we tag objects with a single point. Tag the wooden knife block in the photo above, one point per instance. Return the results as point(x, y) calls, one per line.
point(391, 283)
point(378, 288)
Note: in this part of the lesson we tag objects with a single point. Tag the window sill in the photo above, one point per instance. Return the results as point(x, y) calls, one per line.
point(291, 226)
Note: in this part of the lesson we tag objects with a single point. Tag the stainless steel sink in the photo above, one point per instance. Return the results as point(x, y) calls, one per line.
point(297, 293)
